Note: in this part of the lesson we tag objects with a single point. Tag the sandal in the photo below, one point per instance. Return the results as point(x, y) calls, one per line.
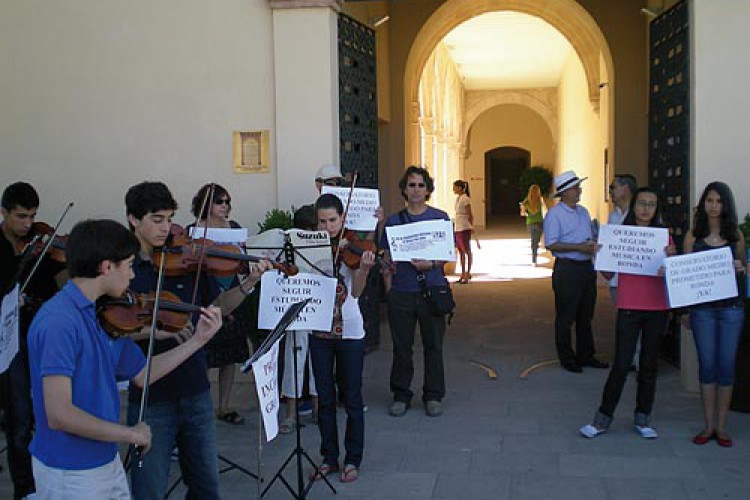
point(349, 474)
point(232, 417)
point(323, 471)
point(287, 426)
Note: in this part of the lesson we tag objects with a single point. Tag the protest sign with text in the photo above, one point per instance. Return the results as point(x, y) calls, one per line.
point(266, 371)
point(8, 329)
point(700, 277)
point(364, 204)
point(278, 292)
point(428, 240)
point(631, 249)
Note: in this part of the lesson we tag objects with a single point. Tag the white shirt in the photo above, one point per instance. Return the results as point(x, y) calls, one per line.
point(462, 213)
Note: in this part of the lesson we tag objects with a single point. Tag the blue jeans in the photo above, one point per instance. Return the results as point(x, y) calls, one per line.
point(348, 356)
point(189, 424)
point(535, 233)
point(716, 332)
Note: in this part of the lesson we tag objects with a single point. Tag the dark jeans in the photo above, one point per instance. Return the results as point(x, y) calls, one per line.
point(574, 284)
point(19, 423)
point(348, 356)
point(649, 326)
point(189, 424)
point(535, 233)
point(405, 309)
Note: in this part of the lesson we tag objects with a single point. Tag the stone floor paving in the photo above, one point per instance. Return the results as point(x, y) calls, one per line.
point(508, 438)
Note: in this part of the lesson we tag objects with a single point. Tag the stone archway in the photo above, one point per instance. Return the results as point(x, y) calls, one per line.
point(485, 100)
point(567, 16)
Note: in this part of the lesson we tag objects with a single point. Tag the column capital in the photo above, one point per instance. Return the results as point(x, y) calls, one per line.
point(302, 4)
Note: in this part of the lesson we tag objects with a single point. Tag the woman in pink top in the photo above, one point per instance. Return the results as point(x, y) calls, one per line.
point(641, 312)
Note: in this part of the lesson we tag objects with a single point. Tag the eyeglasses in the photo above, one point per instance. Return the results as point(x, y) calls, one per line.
point(223, 201)
point(332, 182)
point(416, 184)
point(646, 204)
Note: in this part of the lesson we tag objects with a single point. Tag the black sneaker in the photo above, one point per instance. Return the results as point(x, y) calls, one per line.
point(595, 363)
point(572, 367)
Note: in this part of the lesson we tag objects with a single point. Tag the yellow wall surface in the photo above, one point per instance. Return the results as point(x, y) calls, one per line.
point(581, 138)
point(505, 125)
point(97, 95)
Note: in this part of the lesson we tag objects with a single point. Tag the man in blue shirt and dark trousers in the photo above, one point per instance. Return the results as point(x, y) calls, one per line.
point(75, 366)
point(568, 235)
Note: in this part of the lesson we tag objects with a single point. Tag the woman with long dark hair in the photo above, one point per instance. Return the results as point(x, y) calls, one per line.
point(464, 225)
point(717, 325)
point(642, 309)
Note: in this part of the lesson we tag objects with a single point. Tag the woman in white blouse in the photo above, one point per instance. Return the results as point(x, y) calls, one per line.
point(463, 227)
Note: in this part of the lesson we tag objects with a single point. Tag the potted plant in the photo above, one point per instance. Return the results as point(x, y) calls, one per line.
point(277, 219)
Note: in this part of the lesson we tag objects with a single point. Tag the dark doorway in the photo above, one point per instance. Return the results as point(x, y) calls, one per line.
point(503, 168)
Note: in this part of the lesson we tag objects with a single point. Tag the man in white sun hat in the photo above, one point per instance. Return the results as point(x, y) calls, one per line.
point(567, 234)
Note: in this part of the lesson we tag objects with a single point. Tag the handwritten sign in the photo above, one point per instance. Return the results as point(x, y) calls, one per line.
point(428, 240)
point(631, 249)
point(361, 214)
point(700, 277)
point(8, 329)
point(279, 291)
point(266, 371)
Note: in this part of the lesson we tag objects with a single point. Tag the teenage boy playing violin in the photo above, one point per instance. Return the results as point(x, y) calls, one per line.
point(75, 366)
point(20, 202)
point(180, 410)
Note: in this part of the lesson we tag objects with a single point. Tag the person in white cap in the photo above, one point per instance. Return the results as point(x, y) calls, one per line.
point(328, 175)
point(567, 233)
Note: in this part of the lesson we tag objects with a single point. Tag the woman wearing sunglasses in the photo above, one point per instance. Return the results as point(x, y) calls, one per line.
point(229, 346)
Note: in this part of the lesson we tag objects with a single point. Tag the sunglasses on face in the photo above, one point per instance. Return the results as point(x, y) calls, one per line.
point(416, 184)
point(223, 201)
point(646, 204)
point(332, 182)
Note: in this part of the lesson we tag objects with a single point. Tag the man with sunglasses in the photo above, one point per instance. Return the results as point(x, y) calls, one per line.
point(328, 175)
point(407, 306)
point(621, 191)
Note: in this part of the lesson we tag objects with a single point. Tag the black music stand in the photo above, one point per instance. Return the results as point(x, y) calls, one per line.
point(298, 452)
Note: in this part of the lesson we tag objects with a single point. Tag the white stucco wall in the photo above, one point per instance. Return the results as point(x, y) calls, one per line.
point(581, 138)
point(96, 95)
point(720, 107)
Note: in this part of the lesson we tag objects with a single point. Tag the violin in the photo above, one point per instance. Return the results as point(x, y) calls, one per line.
point(184, 255)
point(351, 254)
point(37, 240)
point(132, 312)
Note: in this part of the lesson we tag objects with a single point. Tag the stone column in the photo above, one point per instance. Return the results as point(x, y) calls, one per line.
point(305, 52)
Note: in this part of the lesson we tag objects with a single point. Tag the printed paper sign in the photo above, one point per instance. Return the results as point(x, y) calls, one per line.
point(364, 204)
point(266, 371)
point(9, 329)
point(700, 277)
point(278, 292)
point(631, 249)
point(427, 240)
point(219, 234)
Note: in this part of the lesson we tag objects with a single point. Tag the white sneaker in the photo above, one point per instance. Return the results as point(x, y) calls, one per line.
point(646, 432)
point(590, 431)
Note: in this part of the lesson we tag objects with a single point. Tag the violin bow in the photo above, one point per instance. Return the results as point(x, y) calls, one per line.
point(207, 210)
point(346, 212)
point(149, 357)
point(46, 247)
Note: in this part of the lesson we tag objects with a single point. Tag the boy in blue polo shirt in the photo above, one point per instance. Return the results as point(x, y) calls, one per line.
point(75, 366)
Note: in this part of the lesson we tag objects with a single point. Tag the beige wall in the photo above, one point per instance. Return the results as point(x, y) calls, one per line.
point(505, 125)
point(97, 95)
point(581, 137)
point(720, 108)
point(623, 27)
